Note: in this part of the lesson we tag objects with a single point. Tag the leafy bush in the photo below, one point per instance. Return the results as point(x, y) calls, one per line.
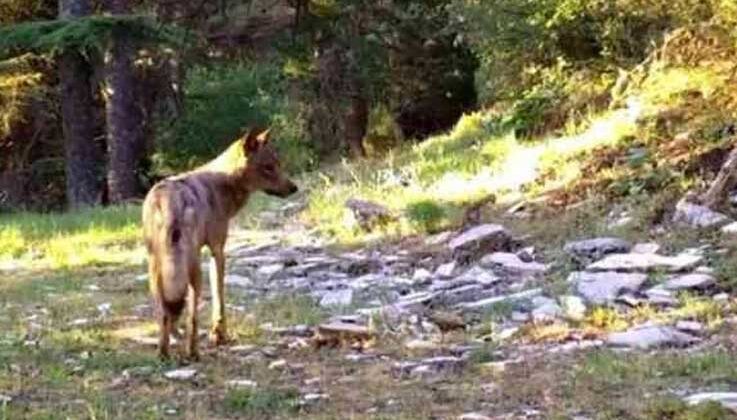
point(220, 102)
point(426, 214)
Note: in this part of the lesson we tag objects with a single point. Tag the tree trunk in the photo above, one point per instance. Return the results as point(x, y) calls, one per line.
point(125, 135)
point(356, 122)
point(84, 156)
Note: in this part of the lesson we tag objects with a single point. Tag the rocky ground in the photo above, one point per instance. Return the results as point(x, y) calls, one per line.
point(470, 324)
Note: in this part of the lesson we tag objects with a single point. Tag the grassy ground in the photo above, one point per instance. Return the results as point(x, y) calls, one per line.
point(71, 296)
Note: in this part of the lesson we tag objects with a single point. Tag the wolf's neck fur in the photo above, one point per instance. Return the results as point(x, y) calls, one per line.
point(231, 176)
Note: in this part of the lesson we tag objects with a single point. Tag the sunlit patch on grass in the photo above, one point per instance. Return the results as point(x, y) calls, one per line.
point(90, 237)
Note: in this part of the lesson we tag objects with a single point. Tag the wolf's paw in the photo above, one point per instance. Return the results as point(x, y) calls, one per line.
point(218, 337)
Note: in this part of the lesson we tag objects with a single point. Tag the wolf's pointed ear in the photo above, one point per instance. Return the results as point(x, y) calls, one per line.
point(263, 136)
point(251, 142)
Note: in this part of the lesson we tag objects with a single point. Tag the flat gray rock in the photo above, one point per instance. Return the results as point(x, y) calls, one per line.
point(698, 216)
point(490, 302)
point(488, 237)
point(645, 263)
point(690, 282)
point(651, 337)
point(341, 297)
point(590, 250)
point(726, 399)
point(605, 287)
point(512, 264)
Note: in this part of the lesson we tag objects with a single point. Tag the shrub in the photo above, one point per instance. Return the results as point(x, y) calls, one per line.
point(222, 100)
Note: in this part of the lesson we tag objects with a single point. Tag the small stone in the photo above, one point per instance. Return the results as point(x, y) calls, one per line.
point(545, 309)
point(651, 337)
point(692, 327)
point(478, 275)
point(267, 272)
point(238, 281)
point(104, 308)
point(421, 275)
point(698, 216)
point(242, 348)
point(726, 399)
point(721, 297)
point(729, 229)
point(574, 307)
point(600, 288)
point(313, 398)
point(80, 322)
point(511, 263)
point(446, 270)
point(474, 416)
point(241, 384)
point(5, 399)
point(661, 297)
point(590, 250)
point(181, 374)
point(487, 238)
point(342, 297)
point(690, 282)
point(645, 248)
point(278, 364)
point(518, 316)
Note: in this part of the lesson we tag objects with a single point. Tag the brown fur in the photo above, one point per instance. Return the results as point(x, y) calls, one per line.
point(183, 213)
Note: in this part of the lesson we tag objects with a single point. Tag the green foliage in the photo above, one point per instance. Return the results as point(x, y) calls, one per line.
point(426, 214)
point(676, 409)
point(221, 101)
point(264, 403)
point(91, 33)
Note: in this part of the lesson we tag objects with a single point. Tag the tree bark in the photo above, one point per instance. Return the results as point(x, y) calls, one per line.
point(85, 162)
point(724, 181)
point(125, 134)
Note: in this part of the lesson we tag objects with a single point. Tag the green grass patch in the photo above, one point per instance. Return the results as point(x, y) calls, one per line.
point(262, 403)
point(62, 240)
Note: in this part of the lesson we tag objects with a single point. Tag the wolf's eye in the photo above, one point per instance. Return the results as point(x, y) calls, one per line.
point(269, 169)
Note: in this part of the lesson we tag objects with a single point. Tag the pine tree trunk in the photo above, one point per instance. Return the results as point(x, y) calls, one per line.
point(84, 156)
point(125, 134)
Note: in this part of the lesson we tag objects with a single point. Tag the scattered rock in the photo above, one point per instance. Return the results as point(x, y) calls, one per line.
point(646, 263)
point(342, 297)
point(661, 297)
point(545, 309)
point(421, 275)
point(105, 308)
point(692, 327)
point(721, 297)
point(727, 399)
point(267, 272)
point(651, 337)
point(241, 384)
point(474, 416)
point(511, 264)
point(5, 399)
point(446, 270)
point(369, 215)
point(487, 238)
point(238, 281)
point(313, 398)
point(574, 307)
point(698, 216)
point(605, 287)
point(590, 250)
point(341, 333)
point(478, 275)
point(423, 345)
point(690, 282)
point(645, 248)
point(280, 364)
point(181, 374)
point(729, 229)
point(490, 302)
point(428, 367)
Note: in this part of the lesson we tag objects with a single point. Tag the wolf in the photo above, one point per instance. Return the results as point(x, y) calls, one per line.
point(184, 213)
